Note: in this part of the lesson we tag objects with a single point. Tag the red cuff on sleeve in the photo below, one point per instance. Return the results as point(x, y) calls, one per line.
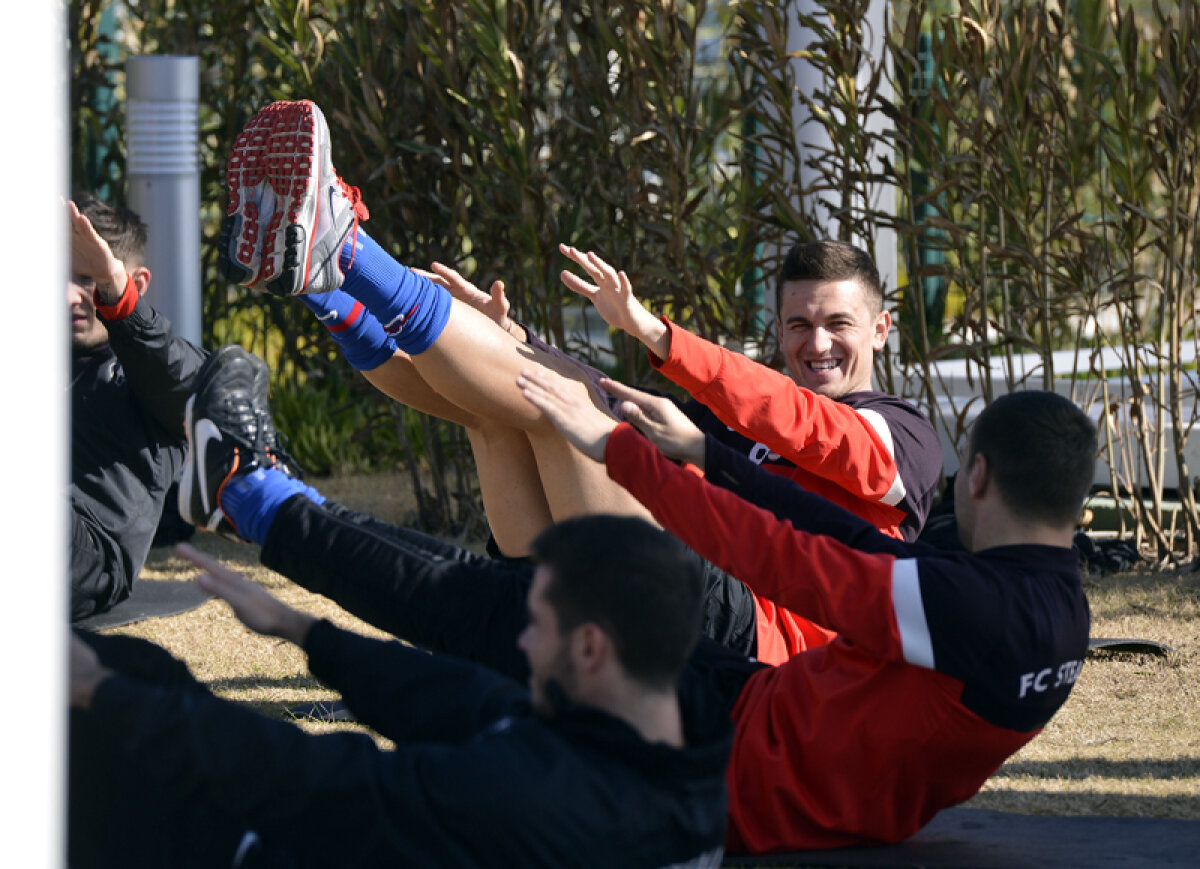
point(124, 306)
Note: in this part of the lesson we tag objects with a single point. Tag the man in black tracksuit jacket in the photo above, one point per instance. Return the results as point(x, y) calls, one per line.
point(130, 379)
point(603, 761)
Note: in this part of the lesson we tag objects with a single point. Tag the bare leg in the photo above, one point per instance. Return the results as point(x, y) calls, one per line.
point(511, 487)
point(399, 380)
point(509, 482)
point(475, 364)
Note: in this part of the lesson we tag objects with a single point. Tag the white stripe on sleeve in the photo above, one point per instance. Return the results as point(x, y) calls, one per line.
point(915, 642)
point(897, 491)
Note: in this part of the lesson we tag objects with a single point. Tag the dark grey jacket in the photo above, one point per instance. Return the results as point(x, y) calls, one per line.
point(127, 445)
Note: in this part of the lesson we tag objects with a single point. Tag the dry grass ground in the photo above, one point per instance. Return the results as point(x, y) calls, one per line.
point(1127, 742)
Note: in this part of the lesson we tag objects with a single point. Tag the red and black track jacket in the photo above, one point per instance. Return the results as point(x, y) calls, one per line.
point(944, 664)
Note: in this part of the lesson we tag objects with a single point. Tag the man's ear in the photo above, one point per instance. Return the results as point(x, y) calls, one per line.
point(979, 476)
point(883, 325)
point(141, 279)
point(591, 646)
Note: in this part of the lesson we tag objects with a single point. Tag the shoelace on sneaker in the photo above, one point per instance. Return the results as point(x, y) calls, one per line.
point(354, 195)
point(356, 200)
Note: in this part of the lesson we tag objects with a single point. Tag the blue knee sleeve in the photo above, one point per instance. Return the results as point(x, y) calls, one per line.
point(413, 309)
point(252, 501)
point(360, 336)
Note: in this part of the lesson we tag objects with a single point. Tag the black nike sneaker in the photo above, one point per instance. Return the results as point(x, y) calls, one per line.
point(229, 433)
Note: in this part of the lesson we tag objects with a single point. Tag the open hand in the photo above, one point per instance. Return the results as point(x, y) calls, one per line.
point(660, 420)
point(254, 606)
point(584, 425)
point(612, 294)
point(91, 257)
point(493, 304)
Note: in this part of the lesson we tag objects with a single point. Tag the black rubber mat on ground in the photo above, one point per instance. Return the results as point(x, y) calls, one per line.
point(150, 599)
point(1127, 644)
point(982, 839)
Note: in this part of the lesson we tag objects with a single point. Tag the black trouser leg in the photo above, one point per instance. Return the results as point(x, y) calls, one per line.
point(411, 585)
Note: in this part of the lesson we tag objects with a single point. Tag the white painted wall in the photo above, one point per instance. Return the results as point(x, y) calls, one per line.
point(33, 510)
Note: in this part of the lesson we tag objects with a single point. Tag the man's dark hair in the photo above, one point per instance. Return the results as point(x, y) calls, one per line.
point(831, 261)
point(123, 229)
point(639, 584)
point(1041, 450)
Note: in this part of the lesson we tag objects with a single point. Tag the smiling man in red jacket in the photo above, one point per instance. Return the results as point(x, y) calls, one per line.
point(822, 424)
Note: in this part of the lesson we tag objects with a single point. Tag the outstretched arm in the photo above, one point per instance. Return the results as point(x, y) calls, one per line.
point(677, 437)
point(380, 681)
point(612, 294)
point(253, 605)
point(716, 523)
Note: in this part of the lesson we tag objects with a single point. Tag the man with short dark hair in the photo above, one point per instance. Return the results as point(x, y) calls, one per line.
point(598, 763)
point(130, 377)
point(944, 664)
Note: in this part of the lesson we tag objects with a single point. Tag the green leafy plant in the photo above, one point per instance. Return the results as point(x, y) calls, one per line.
point(1043, 159)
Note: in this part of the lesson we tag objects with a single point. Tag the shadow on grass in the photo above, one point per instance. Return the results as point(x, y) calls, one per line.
point(1105, 803)
point(1085, 768)
point(254, 683)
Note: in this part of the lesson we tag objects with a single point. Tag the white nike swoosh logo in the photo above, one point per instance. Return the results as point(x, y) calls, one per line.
point(206, 432)
point(332, 315)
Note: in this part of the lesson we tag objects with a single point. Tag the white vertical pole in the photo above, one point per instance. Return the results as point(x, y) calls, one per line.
point(811, 137)
point(882, 197)
point(33, 511)
point(163, 164)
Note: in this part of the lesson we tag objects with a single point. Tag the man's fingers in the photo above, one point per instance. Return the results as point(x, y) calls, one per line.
point(436, 278)
point(633, 413)
point(215, 578)
point(573, 253)
point(596, 268)
point(458, 286)
point(538, 387)
point(532, 380)
point(198, 558)
point(641, 399)
point(619, 389)
point(579, 285)
point(583, 260)
point(607, 272)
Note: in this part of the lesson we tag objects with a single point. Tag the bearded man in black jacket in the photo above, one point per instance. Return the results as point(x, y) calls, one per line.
point(603, 759)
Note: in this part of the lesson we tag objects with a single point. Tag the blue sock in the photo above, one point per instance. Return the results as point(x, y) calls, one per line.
point(359, 335)
point(251, 501)
point(413, 309)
